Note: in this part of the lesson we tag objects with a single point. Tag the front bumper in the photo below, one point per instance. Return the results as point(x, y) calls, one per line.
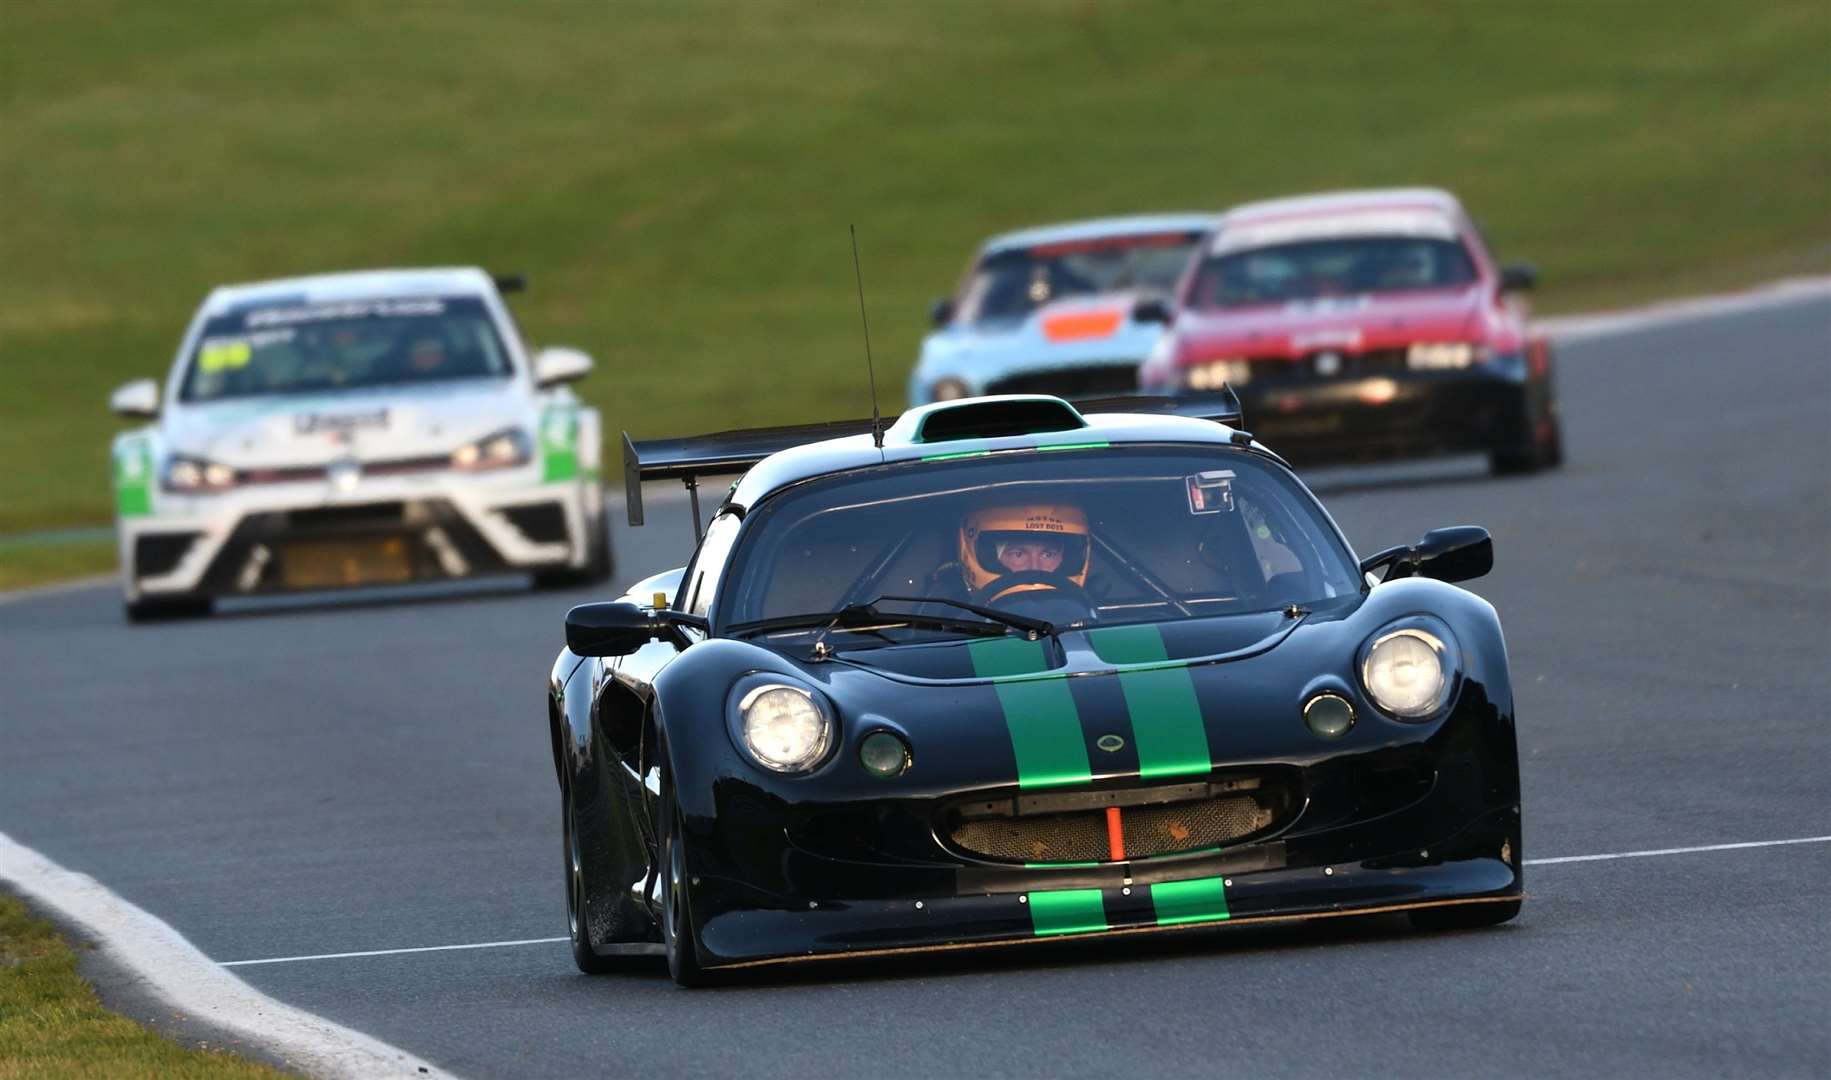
point(286, 537)
point(1402, 414)
point(1355, 847)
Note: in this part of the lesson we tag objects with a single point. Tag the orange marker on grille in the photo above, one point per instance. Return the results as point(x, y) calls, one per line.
point(1115, 834)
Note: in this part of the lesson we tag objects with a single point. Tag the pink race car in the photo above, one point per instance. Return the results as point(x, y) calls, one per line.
point(1362, 325)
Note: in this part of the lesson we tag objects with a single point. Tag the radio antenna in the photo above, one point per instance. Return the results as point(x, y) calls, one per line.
point(877, 419)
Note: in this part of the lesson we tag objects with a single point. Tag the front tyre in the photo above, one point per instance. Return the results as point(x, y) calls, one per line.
point(597, 568)
point(163, 608)
point(1464, 916)
point(577, 893)
point(677, 932)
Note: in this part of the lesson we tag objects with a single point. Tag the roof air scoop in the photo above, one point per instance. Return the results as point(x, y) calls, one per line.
point(996, 417)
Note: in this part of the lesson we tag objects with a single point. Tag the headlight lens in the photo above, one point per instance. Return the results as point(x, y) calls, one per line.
point(501, 450)
point(785, 728)
point(1408, 670)
point(191, 475)
point(1442, 355)
point(1214, 374)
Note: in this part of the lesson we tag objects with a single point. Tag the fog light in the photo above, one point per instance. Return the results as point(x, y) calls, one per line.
point(1329, 715)
point(883, 754)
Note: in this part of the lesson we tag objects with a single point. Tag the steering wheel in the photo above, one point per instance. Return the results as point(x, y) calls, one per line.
point(1061, 594)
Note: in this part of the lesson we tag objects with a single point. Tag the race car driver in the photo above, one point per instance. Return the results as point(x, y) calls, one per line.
point(1030, 558)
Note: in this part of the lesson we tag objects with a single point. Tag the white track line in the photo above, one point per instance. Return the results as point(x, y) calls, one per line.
point(165, 965)
point(395, 952)
point(555, 940)
point(1601, 323)
point(1677, 851)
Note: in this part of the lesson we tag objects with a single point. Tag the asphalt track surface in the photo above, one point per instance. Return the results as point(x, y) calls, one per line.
point(359, 776)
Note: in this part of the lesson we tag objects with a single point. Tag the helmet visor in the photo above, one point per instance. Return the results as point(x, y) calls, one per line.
point(1015, 552)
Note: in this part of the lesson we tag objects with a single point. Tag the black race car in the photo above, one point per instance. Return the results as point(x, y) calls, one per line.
point(1024, 672)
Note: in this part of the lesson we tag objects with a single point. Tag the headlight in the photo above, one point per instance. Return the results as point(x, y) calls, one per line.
point(1214, 374)
point(502, 450)
point(948, 389)
point(784, 727)
point(1409, 668)
point(190, 475)
point(1443, 355)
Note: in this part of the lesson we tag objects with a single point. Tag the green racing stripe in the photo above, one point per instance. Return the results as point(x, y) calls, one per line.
point(1199, 900)
point(1040, 714)
point(1167, 725)
point(1067, 911)
point(1083, 911)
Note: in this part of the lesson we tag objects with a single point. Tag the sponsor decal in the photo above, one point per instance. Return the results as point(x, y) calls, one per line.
point(354, 309)
point(1348, 337)
point(1082, 325)
point(1110, 743)
point(559, 444)
point(335, 424)
point(133, 478)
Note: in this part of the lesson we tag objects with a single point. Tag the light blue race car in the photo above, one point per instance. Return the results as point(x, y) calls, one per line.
point(1049, 310)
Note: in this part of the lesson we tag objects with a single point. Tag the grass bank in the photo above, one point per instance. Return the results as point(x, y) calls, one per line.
point(51, 1024)
point(676, 176)
point(36, 562)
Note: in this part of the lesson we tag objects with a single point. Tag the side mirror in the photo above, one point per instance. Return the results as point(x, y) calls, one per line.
point(508, 283)
point(1458, 553)
point(1518, 277)
point(138, 400)
point(941, 312)
point(558, 364)
point(1151, 309)
point(618, 629)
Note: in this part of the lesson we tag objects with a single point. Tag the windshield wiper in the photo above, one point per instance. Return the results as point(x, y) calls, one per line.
point(1034, 627)
point(864, 619)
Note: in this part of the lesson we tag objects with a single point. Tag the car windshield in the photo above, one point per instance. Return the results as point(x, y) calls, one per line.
point(308, 348)
point(1341, 266)
point(1084, 536)
point(1008, 285)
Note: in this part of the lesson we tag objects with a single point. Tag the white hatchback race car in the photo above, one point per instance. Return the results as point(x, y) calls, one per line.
point(369, 428)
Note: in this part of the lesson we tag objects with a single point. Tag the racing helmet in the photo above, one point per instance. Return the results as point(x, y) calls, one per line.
point(987, 532)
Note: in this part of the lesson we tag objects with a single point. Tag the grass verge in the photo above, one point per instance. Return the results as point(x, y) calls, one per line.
point(24, 564)
point(51, 1024)
point(676, 176)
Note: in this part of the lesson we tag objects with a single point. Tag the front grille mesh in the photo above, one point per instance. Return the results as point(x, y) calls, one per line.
point(1081, 835)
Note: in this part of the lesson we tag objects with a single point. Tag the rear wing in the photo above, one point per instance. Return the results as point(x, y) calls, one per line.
point(1221, 406)
point(722, 453)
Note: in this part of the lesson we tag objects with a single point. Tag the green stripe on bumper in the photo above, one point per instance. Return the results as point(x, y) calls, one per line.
point(1167, 723)
point(1200, 900)
point(1040, 715)
point(1067, 911)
